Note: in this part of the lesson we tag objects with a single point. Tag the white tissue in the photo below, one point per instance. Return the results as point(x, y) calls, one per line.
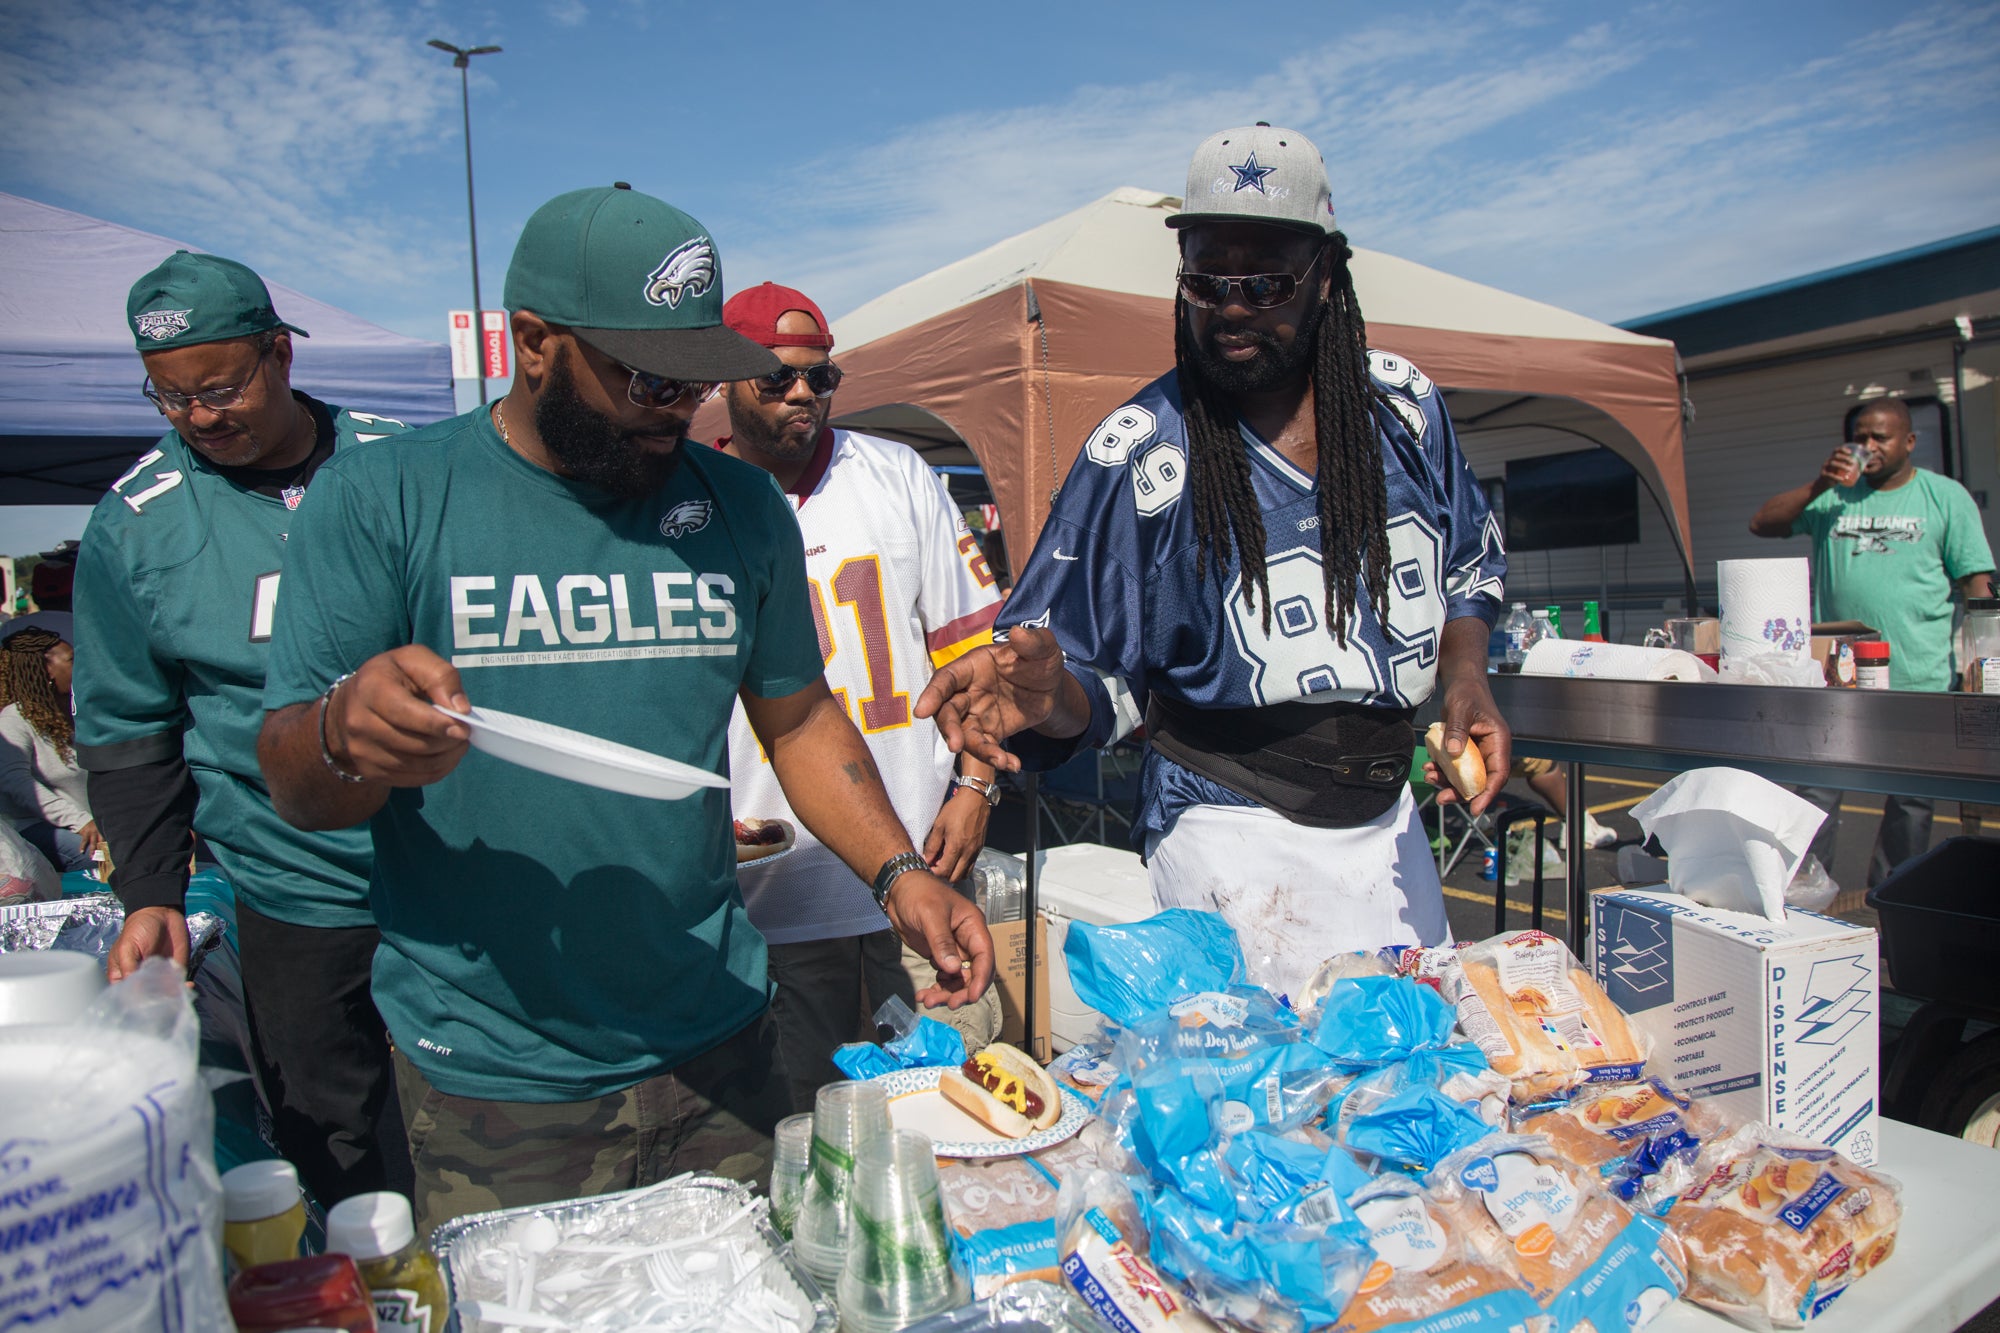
point(1733, 840)
point(1612, 661)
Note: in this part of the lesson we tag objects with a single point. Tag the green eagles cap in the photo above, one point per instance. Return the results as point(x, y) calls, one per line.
point(199, 299)
point(637, 279)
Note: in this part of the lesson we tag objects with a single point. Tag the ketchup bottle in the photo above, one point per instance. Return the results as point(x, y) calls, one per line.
point(321, 1292)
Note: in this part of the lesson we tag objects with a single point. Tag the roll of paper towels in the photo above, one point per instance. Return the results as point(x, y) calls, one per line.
point(1766, 606)
point(1612, 661)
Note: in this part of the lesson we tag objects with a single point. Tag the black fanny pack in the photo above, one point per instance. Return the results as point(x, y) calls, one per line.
point(1320, 765)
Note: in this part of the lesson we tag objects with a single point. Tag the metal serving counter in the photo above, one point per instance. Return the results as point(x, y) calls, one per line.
point(1939, 745)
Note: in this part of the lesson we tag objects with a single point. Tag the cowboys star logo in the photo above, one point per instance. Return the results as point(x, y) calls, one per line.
point(685, 517)
point(160, 325)
point(688, 272)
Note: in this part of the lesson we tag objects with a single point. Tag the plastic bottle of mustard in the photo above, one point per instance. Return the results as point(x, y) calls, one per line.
point(379, 1234)
point(263, 1214)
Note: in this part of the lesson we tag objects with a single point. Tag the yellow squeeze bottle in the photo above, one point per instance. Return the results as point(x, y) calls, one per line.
point(263, 1214)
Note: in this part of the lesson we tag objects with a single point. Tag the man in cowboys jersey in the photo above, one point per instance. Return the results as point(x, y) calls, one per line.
point(1271, 556)
point(176, 588)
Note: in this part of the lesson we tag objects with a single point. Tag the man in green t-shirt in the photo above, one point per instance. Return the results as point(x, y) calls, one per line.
point(575, 993)
point(1890, 542)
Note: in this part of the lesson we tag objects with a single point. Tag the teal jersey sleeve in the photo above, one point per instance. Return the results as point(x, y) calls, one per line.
point(1964, 546)
point(1814, 520)
point(785, 658)
point(129, 702)
point(344, 590)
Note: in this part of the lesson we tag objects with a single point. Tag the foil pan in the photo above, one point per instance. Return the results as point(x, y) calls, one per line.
point(90, 924)
point(706, 1239)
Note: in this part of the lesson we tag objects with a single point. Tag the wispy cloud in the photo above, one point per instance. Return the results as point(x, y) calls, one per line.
point(567, 13)
point(1581, 168)
point(257, 130)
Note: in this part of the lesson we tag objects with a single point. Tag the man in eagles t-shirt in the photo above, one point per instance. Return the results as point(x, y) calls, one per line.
point(576, 995)
point(1890, 543)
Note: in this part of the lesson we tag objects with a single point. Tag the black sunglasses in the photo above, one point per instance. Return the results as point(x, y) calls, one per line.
point(650, 390)
point(1261, 291)
point(822, 379)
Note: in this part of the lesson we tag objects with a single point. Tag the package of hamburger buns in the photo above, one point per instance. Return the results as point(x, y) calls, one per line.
point(1776, 1227)
point(1587, 1259)
point(1425, 1278)
point(1641, 1138)
point(1541, 1018)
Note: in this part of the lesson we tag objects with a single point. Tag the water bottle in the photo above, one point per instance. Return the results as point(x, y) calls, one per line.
point(1520, 630)
point(1544, 628)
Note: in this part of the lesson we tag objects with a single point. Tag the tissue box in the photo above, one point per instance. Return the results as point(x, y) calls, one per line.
point(1774, 1020)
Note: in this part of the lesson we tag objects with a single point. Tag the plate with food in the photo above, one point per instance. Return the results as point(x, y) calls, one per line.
point(762, 841)
point(999, 1103)
point(581, 757)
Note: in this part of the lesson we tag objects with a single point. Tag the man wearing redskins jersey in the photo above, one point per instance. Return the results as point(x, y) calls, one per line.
point(898, 587)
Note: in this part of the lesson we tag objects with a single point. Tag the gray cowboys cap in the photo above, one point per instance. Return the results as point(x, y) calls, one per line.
point(1258, 174)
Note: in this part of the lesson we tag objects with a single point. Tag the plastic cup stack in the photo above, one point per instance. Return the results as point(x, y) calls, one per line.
point(900, 1267)
point(791, 1164)
point(847, 1116)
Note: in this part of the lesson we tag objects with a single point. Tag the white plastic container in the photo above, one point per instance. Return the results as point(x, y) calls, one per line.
point(1084, 882)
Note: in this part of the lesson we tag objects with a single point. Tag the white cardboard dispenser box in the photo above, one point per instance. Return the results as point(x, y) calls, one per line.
point(1774, 1020)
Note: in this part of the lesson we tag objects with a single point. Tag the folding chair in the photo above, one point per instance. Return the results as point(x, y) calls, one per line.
point(1081, 797)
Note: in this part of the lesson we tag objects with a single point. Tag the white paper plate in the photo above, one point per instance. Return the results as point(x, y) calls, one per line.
point(776, 853)
point(580, 757)
point(915, 1103)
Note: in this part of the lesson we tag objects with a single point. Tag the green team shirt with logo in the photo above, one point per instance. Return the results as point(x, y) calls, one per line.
point(177, 583)
point(1890, 559)
point(544, 940)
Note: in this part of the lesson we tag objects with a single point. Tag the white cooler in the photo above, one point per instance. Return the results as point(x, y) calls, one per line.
point(1084, 882)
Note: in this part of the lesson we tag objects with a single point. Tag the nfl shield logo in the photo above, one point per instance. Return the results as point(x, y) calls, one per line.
point(292, 495)
point(162, 324)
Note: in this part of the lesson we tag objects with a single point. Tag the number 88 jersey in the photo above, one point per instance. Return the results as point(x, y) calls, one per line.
point(1115, 573)
point(898, 587)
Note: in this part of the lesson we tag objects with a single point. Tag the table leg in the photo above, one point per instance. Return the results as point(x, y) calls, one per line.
point(1574, 863)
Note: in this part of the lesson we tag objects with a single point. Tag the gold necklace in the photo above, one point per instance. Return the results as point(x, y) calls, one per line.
point(500, 422)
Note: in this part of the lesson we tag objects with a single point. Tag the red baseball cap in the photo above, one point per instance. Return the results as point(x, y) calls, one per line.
point(755, 311)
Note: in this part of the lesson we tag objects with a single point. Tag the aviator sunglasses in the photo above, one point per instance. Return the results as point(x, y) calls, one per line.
point(650, 390)
point(822, 379)
point(1261, 291)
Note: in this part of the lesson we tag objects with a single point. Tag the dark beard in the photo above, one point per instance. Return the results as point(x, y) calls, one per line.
point(1275, 366)
point(591, 447)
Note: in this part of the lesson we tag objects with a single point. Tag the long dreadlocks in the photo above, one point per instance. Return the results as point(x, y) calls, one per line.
point(1353, 491)
point(24, 680)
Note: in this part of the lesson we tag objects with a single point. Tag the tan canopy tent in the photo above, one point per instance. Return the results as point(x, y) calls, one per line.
point(1009, 357)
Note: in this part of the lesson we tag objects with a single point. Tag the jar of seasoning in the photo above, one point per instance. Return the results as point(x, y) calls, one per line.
point(1871, 665)
point(263, 1214)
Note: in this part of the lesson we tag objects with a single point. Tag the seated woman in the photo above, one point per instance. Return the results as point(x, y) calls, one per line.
point(42, 791)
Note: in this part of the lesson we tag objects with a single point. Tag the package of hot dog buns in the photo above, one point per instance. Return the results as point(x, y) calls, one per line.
point(1776, 1227)
point(1541, 1018)
point(1641, 1138)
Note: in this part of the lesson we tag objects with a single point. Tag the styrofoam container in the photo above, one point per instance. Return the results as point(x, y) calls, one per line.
point(1084, 882)
point(47, 986)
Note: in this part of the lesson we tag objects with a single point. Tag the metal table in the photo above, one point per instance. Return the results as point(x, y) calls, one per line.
point(1945, 746)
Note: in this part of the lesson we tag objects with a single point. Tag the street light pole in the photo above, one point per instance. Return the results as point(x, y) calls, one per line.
point(461, 58)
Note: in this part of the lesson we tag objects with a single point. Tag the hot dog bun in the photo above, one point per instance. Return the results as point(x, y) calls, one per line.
point(1005, 1113)
point(1467, 772)
point(758, 850)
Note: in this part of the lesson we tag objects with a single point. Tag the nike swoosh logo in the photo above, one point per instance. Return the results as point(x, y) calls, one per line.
point(1061, 556)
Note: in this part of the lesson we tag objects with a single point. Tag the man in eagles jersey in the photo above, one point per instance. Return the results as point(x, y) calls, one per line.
point(898, 586)
point(176, 586)
point(1271, 556)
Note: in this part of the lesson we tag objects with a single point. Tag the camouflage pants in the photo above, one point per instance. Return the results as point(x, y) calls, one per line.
point(712, 1113)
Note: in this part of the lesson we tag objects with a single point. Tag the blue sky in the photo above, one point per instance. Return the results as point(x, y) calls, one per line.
point(1615, 159)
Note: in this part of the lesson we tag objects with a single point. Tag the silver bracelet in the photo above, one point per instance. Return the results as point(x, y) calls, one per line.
point(325, 750)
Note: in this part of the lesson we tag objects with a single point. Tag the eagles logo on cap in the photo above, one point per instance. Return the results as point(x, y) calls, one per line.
point(161, 324)
point(193, 298)
point(688, 271)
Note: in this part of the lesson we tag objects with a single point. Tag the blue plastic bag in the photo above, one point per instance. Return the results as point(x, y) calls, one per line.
point(1127, 971)
point(863, 1060)
point(1366, 1022)
point(1259, 1274)
point(1416, 1129)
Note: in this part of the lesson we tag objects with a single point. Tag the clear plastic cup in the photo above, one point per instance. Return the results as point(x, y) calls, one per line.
point(791, 1162)
point(847, 1116)
point(900, 1266)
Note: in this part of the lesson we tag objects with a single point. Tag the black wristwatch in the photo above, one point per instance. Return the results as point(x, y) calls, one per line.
point(987, 788)
point(892, 870)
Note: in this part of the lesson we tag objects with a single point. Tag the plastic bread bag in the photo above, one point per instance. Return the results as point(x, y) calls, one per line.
point(1589, 1261)
point(1226, 1023)
point(1641, 1138)
point(998, 1256)
point(1339, 966)
point(1023, 1307)
point(1126, 972)
point(1437, 967)
point(1250, 1049)
point(1776, 1227)
point(1415, 1129)
point(1369, 1021)
point(1541, 1019)
point(1270, 1277)
point(1299, 1176)
point(1425, 1278)
point(1460, 1073)
point(1105, 1250)
point(1088, 1066)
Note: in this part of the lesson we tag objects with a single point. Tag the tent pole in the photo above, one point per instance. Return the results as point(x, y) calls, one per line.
point(1031, 914)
